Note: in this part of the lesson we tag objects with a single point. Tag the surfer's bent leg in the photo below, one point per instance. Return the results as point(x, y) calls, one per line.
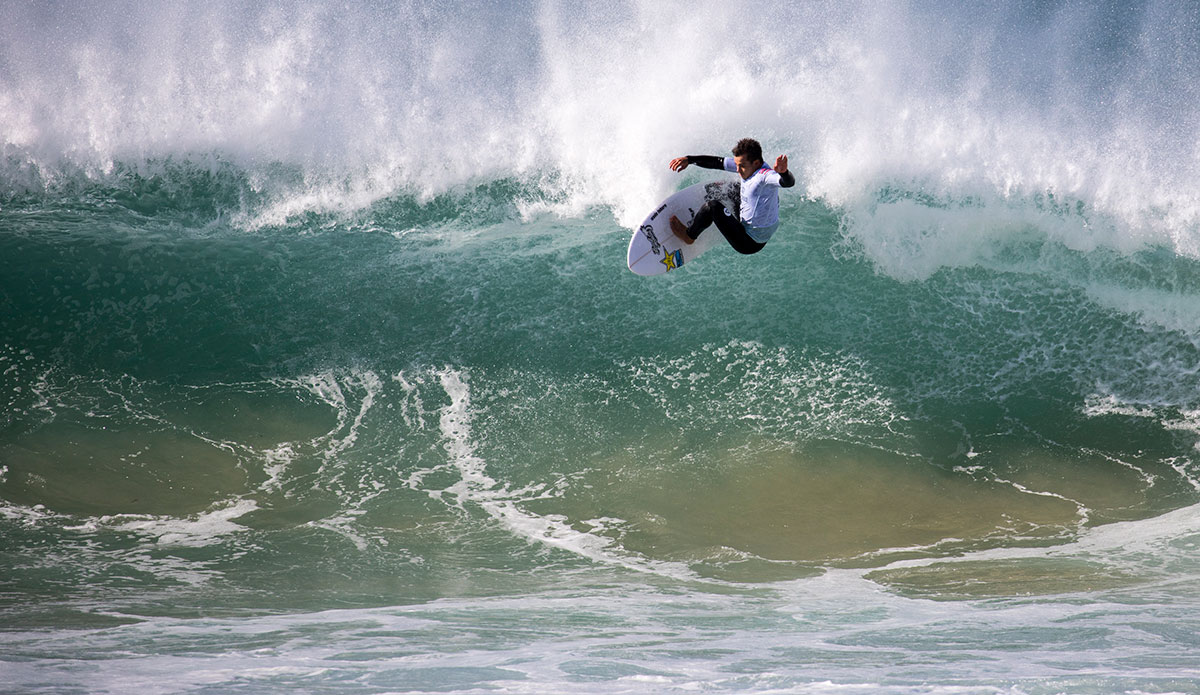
point(730, 226)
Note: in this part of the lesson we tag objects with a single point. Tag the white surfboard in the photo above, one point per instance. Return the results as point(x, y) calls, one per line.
point(654, 249)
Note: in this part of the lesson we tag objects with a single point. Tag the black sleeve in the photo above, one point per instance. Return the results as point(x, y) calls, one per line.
point(707, 161)
point(786, 180)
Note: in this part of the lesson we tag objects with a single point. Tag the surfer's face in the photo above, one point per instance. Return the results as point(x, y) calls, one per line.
point(746, 166)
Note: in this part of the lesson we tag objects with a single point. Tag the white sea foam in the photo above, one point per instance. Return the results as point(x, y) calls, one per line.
point(28, 515)
point(276, 462)
point(330, 388)
point(831, 634)
point(807, 395)
point(1153, 550)
point(1177, 311)
point(476, 487)
point(197, 530)
point(1145, 537)
point(941, 131)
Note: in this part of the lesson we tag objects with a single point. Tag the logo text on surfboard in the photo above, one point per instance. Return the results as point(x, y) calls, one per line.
point(648, 231)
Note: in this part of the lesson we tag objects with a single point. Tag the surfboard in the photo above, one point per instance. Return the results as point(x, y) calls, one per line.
point(654, 249)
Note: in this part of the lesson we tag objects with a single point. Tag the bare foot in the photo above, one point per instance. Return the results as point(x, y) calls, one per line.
point(680, 230)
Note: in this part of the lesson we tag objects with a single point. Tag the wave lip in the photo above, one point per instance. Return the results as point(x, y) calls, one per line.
point(589, 103)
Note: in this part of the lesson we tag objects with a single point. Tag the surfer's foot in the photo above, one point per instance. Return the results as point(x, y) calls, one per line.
point(680, 230)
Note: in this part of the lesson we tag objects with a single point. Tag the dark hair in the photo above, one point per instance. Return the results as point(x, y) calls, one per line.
point(748, 147)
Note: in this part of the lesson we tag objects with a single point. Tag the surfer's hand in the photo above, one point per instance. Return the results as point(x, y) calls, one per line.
point(781, 164)
point(679, 163)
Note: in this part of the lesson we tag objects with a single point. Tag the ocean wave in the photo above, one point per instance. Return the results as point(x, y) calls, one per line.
point(317, 109)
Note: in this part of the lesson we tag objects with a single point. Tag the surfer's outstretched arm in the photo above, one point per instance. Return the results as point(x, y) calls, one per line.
point(786, 180)
point(704, 161)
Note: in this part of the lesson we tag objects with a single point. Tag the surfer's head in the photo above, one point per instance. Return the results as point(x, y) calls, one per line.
point(747, 154)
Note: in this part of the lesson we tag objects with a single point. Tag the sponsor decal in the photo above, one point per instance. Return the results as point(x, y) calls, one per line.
point(648, 232)
point(672, 259)
point(728, 193)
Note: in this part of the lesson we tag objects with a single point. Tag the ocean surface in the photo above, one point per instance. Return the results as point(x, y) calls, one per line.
point(321, 370)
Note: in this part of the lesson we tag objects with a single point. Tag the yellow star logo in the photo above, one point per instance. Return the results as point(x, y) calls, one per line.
point(672, 259)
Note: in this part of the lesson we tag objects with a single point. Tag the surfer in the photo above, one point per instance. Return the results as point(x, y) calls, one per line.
point(748, 228)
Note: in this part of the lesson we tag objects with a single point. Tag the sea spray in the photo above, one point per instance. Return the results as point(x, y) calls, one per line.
point(1079, 112)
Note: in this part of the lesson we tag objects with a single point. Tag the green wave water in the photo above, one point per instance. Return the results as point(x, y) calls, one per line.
point(295, 413)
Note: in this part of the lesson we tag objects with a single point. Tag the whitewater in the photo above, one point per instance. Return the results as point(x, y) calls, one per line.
point(321, 369)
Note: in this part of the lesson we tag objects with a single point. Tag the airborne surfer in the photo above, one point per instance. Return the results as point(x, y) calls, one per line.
point(748, 228)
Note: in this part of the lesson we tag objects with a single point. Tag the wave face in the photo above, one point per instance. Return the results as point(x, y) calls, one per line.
point(320, 365)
